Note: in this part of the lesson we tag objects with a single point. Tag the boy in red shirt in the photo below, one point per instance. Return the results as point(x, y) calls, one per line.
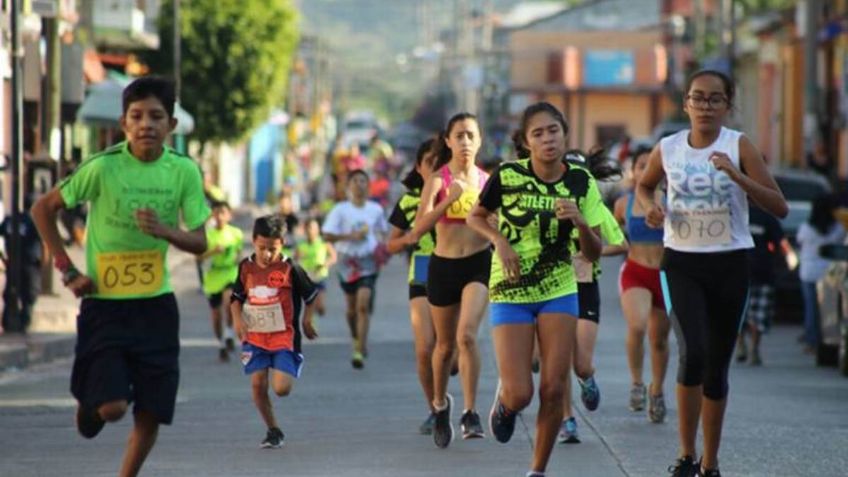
point(266, 311)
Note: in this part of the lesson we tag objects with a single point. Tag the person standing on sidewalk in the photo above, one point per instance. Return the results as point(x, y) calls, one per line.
point(402, 220)
point(128, 326)
point(458, 273)
point(267, 299)
point(224, 243)
point(32, 260)
point(642, 299)
point(711, 171)
point(821, 228)
point(539, 202)
point(769, 244)
point(357, 227)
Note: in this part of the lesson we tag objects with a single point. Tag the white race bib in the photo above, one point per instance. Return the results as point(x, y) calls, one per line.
point(701, 227)
point(264, 318)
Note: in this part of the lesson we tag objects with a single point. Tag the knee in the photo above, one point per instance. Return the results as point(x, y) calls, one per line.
point(424, 353)
point(282, 389)
point(362, 308)
point(660, 345)
point(445, 348)
point(551, 391)
point(112, 411)
point(466, 342)
point(516, 397)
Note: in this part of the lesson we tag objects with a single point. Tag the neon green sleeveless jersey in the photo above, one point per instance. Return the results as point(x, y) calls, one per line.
point(526, 217)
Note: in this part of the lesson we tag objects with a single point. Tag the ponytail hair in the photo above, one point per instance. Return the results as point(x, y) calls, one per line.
point(597, 162)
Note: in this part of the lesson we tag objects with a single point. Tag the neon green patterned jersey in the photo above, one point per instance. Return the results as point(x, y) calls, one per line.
point(525, 205)
point(123, 261)
point(403, 217)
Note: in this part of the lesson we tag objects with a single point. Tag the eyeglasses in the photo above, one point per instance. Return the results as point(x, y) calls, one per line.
point(714, 101)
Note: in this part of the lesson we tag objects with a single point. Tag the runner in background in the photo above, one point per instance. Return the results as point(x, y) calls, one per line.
point(224, 243)
point(357, 227)
point(589, 295)
point(642, 299)
point(316, 257)
point(402, 220)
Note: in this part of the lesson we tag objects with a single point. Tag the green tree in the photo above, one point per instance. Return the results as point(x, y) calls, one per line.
point(236, 56)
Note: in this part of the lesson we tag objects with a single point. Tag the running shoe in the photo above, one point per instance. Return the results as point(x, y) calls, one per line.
point(426, 427)
point(223, 355)
point(230, 343)
point(357, 360)
point(708, 473)
point(89, 422)
point(274, 439)
point(637, 397)
point(684, 467)
point(656, 409)
point(443, 428)
point(470, 425)
point(568, 432)
point(533, 473)
point(501, 419)
point(590, 394)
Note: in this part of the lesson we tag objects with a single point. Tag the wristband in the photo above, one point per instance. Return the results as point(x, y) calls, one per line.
point(70, 274)
point(62, 262)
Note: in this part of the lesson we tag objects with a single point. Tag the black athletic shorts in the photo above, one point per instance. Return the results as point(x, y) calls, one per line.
point(216, 299)
point(447, 277)
point(589, 297)
point(416, 291)
point(128, 350)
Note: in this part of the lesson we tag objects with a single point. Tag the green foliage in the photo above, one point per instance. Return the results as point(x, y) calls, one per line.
point(236, 56)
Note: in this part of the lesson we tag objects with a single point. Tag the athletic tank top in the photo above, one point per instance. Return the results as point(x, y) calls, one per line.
point(637, 230)
point(459, 210)
point(707, 212)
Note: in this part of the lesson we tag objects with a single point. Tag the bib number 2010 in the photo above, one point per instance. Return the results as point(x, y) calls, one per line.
point(129, 273)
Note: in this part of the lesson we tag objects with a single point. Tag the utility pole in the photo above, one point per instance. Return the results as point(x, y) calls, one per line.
point(812, 134)
point(700, 28)
point(13, 278)
point(728, 33)
point(179, 140)
point(52, 137)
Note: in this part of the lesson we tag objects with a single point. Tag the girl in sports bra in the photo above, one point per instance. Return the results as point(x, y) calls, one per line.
point(458, 273)
point(642, 299)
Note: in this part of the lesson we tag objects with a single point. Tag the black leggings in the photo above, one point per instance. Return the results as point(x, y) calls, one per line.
point(707, 294)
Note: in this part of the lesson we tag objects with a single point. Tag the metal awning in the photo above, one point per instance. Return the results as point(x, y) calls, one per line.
point(102, 105)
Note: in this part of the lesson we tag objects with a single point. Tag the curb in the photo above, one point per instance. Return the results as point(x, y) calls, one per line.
point(19, 352)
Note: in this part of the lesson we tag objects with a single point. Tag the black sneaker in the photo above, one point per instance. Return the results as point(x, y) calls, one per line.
point(230, 344)
point(223, 355)
point(89, 422)
point(443, 428)
point(684, 467)
point(707, 472)
point(274, 439)
point(426, 427)
point(501, 420)
point(470, 425)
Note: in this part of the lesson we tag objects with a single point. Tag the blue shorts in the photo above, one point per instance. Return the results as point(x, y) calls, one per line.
point(527, 313)
point(255, 359)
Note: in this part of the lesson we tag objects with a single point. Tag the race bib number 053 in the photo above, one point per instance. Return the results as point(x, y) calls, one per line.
point(130, 273)
point(264, 318)
point(700, 228)
point(462, 207)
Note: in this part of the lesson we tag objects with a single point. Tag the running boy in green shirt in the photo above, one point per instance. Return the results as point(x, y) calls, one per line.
point(316, 257)
point(127, 330)
point(224, 243)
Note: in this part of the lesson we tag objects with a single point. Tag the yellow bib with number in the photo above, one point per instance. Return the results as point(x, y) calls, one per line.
point(129, 273)
point(462, 207)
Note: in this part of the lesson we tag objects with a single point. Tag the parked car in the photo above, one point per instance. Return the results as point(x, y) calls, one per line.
point(832, 292)
point(799, 188)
